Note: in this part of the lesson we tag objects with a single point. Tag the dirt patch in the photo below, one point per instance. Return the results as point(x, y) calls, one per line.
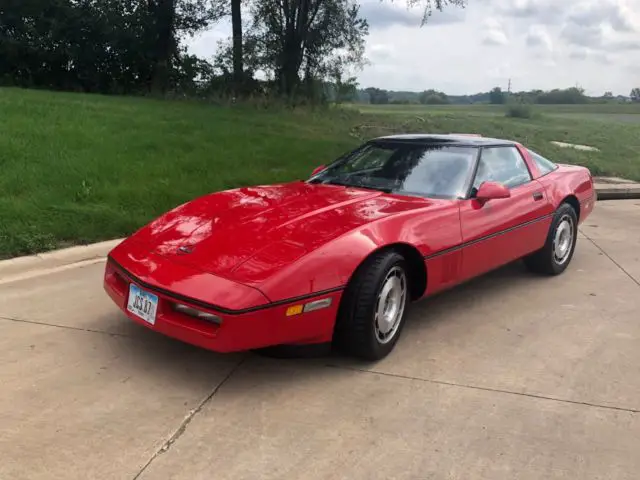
point(575, 146)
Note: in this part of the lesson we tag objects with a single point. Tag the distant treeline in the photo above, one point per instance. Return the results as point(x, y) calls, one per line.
point(560, 96)
point(307, 50)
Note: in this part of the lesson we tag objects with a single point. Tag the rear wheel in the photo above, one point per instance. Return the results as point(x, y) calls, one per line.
point(373, 308)
point(557, 252)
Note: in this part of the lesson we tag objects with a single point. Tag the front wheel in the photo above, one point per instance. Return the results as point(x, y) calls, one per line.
point(373, 309)
point(557, 252)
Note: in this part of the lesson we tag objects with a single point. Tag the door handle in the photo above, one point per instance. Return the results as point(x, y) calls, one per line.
point(537, 196)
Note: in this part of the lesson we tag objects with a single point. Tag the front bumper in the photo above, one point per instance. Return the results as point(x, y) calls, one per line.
point(258, 327)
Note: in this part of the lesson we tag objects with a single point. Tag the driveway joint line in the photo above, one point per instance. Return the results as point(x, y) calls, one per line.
point(486, 389)
point(88, 330)
point(189, 418)
point(637, 282)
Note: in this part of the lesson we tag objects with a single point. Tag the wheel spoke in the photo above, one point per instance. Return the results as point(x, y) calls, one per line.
point(390, 305)
point(563, 239)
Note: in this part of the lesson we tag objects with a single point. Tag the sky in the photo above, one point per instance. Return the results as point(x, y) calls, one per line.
point(535, 44)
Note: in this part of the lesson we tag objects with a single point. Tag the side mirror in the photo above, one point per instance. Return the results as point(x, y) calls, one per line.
point(318, 170)
point(492, 191)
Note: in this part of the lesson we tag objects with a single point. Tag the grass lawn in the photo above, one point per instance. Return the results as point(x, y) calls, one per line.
point(80, 168)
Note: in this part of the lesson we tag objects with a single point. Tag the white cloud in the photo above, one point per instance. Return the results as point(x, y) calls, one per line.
point(585, 53)
point(500, 72)
point(535, 43)
point(547, 12)
point(205, 44)
point(494, 33)
point(585, 35)
point(538, 37)
point(495, 37)
point(379, 52)
point(385, 14)
point(616, 13)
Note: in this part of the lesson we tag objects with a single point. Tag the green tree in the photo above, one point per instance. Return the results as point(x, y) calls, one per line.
point(635, 94)
point(170, 19)
point(573, 95)
point(377, 96)
point(497, 96)
point(108, 46)
point(300, 40)
point(433, 97)
point(345, 89)
point(308, 39)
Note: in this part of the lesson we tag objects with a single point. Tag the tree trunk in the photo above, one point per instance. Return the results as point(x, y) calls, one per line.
point(298, 16)
point(164, 18)
point(236, 27)
point(290, 63)
point(289, 77)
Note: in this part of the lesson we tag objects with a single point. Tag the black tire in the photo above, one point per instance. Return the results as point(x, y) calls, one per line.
point(357, 331)
point(545, 261)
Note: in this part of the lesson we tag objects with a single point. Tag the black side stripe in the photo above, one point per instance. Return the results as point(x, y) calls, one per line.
point(227, 311)
point(217, 308)
point(486, 237)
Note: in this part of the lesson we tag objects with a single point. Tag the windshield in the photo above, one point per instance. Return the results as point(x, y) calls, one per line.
point(438, 171)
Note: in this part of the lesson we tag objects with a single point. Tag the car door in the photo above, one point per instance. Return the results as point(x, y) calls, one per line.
point(499, 231)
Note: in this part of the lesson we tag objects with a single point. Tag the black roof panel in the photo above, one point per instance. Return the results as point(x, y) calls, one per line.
point(458, 139)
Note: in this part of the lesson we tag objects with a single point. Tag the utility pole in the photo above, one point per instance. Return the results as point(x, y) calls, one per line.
point(509, 87)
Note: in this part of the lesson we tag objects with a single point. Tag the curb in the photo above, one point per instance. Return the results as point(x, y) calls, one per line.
point(56, 258)
point(618, 191)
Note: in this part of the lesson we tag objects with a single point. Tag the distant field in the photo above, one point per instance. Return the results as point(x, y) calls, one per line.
point(601, 117)
point(624, 109)
point(627, 113)
point(79, 168)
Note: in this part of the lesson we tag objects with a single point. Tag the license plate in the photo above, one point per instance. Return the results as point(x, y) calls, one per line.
point(142, 304)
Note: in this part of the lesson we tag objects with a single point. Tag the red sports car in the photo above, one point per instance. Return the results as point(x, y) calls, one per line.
point(335, 259)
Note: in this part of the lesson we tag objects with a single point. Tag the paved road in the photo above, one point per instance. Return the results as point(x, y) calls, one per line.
point(510, 376)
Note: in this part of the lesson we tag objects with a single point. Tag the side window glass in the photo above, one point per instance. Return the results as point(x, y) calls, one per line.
point(501, 164)
point(545, 166)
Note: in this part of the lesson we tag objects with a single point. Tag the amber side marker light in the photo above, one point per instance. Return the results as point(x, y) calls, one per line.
point(294, 310)
point(308, 307)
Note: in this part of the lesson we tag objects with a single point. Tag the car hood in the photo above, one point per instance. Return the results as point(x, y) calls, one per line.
point(271, 225)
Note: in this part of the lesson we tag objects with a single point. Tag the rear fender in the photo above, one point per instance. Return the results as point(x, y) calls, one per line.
point(571, 182)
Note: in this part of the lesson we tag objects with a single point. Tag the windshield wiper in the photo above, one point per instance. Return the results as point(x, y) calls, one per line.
point(337, 182)
point(365, 187)
point(379, 189)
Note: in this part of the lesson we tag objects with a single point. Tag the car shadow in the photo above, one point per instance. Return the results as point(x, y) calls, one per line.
point(173, 357)
point(141, 348)
point(494, 284)
point(451, 305)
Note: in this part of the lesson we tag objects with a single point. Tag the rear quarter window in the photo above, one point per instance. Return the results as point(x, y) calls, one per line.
point(544, 165)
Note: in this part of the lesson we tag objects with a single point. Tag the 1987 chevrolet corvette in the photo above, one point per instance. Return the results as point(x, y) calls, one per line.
point(335, 259)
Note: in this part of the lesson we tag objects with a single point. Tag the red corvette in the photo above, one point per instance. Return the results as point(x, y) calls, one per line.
point(336, 259)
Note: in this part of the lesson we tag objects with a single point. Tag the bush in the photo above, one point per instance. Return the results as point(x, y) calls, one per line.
point(519, 110)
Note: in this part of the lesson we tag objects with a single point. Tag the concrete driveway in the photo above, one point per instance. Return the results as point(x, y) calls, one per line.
point(510, 376)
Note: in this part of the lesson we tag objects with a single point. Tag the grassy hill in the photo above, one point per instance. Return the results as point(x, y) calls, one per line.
point(78, 168)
